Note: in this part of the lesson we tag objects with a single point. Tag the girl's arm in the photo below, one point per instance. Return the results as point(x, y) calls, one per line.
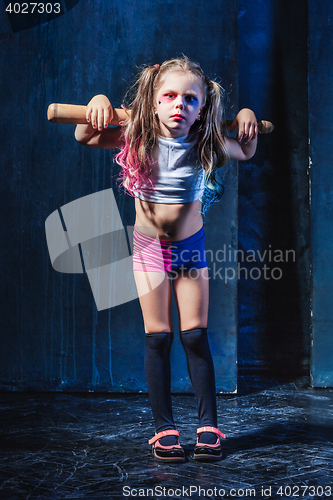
point(96, 133)
point(244, 147)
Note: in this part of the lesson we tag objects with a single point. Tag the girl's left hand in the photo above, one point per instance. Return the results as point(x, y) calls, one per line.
point(246, 123)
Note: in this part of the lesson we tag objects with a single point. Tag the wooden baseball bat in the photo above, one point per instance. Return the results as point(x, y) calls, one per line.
point(75, 114)
point(72, 113)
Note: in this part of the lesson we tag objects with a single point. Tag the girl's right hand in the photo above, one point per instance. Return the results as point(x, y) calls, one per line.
point(99, 112)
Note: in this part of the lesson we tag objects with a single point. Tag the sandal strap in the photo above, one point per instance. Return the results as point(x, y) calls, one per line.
point(169, 432)
point(210, 429)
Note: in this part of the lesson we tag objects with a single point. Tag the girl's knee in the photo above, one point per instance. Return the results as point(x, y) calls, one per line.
point(194, 338)
point(159, 341)
point(153, 327)
point(193, 323)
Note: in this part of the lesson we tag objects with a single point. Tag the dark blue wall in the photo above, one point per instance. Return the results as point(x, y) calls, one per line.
point(53, 337)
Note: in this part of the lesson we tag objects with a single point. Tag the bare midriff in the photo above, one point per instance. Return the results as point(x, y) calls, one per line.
point(171, 222)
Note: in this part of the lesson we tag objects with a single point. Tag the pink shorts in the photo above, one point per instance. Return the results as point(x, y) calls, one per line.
point(150, 254)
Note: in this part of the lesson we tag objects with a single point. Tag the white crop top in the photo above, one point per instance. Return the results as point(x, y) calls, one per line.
point(176, 174)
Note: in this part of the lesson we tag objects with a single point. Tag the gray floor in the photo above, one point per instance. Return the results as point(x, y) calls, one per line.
point(56, 446)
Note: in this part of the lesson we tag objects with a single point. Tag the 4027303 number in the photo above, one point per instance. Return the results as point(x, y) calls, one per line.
point(33, 8)
point(300, 491)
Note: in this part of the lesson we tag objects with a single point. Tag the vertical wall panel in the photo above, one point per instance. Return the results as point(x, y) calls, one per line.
point(321, 133)
point(274, 304)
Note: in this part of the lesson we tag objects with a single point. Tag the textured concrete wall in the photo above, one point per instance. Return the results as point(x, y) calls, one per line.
point(52, 336)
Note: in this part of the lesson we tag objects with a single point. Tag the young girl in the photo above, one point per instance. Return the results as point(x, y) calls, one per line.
point(170, 148)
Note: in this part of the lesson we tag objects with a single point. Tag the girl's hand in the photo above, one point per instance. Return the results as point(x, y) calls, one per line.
point(247, 126)
point(99, 112)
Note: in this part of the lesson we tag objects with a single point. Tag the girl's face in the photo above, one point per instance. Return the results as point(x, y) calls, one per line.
point(178, 103)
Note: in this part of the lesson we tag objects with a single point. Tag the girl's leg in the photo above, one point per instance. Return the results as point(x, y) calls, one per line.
point(154, 290)
point(192, 296)
point(155, 307)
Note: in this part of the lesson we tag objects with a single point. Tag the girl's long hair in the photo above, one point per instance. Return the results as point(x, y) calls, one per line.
point(141, 130)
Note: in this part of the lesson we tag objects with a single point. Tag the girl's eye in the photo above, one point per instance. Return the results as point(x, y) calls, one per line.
point(190, 98)
point(170, 96)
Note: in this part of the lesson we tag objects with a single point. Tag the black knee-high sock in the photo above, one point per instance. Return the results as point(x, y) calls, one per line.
point(158, 379)
point(201, 371)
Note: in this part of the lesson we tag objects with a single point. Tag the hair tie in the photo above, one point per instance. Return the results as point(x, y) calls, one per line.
point(207, 80)
point(157, 67)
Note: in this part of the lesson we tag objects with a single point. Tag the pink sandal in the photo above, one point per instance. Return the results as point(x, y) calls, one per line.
point(208, 452)
point(174, 453)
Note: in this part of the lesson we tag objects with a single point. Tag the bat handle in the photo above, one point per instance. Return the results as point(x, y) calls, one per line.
point(264, 127)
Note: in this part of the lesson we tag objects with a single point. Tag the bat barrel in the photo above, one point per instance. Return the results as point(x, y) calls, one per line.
point(66, 113)
point(76, 114)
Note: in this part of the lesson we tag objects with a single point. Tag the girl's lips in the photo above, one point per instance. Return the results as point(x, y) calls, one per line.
point(178, 117)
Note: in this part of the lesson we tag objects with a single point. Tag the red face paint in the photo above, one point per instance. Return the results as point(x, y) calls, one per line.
point(165, 98)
